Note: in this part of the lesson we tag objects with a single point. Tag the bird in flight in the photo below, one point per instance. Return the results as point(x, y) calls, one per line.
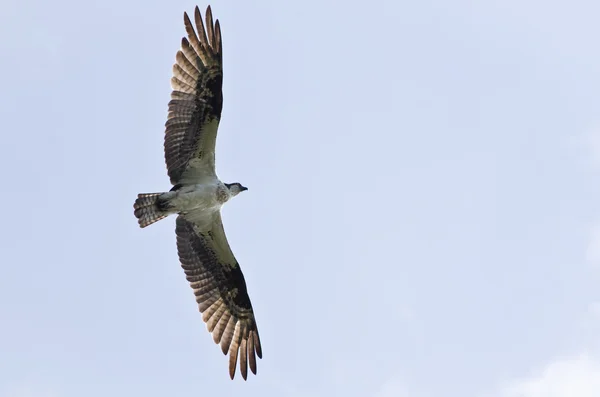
point(198, 195)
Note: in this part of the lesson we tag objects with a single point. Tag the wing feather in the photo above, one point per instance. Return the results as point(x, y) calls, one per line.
point(244, 353)
point(181, 74)
point(200, 25)
point(185, 64)
point(252, 356)
point(234, 349)
point(196, 102)
point(200, 49)
point(182, 86)
point(205, 301)
point(214, 320)
point(219, 39)
point(210, 29)
point(207, 315)
point(190, 55)
point(220, 289)
point(228, 334)
point(220, 328)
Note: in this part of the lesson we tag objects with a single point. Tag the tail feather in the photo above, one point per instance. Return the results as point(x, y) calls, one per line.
point(147, 209)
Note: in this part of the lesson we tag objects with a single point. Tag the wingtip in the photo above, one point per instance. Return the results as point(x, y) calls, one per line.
point(197, 14)
point(244, 373)
point(244, 358)
point(257, 345)
point(232, 368)
point(209, 17)
point(252, 354)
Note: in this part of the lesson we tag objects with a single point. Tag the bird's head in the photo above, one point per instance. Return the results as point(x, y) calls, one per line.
point(235, 188)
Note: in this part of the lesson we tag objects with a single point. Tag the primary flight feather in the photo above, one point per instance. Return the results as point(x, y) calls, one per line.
point(198, 195)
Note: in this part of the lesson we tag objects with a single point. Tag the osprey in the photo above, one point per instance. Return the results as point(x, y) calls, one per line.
point(197, 195)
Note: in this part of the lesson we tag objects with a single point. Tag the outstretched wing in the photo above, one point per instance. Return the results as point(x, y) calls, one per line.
point(196, 101)
point(220, 289)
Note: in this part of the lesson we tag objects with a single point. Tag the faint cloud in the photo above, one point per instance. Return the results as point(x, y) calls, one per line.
point(593, 248)
point(592, 143)
point(405, 313)
point(394, 388)
point(591, 140)
point(577, 376)
point(591, 321)
point(30, 391)
point(594, 309)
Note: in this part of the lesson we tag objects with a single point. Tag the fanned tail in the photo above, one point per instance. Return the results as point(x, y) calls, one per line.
point(148, 210)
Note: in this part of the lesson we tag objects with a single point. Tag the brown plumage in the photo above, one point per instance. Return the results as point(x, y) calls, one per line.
point(197, 97)
point(220, 290)
point(147, 210)
point(197, 195)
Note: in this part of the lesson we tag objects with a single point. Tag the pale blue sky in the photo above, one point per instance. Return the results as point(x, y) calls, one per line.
point(423, 217)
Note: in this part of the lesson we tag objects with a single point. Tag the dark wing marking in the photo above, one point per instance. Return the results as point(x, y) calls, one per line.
point(220, 289)
point(196, 99)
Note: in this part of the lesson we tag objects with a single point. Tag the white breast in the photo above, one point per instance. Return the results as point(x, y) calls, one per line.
point(203, 197)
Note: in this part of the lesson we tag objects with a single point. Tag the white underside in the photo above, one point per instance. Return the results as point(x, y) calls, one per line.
point(198, 197)
point(199, 202)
